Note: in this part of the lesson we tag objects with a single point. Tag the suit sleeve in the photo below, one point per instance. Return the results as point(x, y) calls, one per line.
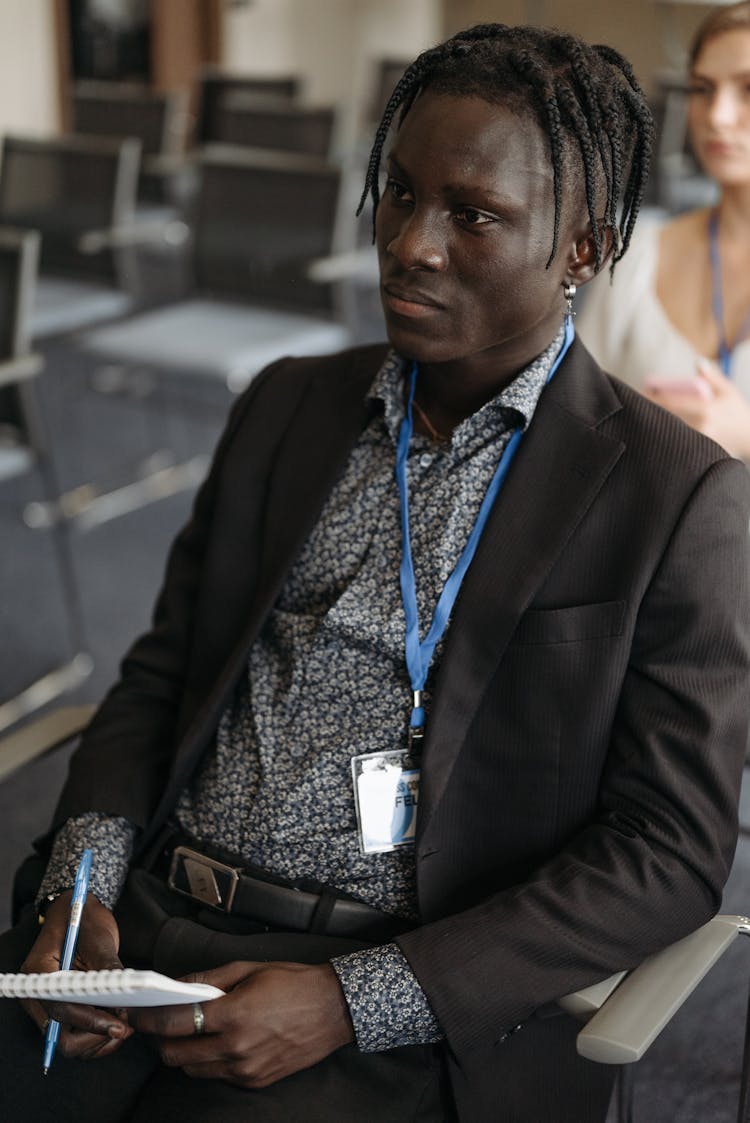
point(651, 864)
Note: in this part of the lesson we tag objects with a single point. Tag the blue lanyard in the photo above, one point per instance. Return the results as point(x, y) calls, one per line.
point(717, 297)
point(419, 654)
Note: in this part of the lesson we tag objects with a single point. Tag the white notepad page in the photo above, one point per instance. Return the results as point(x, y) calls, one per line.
point(126, 987)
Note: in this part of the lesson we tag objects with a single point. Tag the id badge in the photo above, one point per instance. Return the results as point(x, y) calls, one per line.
point(386, 794)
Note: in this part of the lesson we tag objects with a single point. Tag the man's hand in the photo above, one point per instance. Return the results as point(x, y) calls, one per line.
point(275, 1019)
point(85, 1031)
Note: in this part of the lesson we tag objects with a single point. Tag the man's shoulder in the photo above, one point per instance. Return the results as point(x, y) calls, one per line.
point(333, 385)
point(660, 454)
point(663, 447)
point(353, 362)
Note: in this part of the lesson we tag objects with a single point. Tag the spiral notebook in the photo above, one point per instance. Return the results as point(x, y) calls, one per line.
point(126, 987)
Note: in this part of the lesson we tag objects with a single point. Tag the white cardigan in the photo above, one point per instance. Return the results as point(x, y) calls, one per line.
point(626, 329)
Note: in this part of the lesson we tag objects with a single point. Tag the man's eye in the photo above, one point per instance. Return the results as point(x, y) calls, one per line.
point(396, 189)
point(473, 217)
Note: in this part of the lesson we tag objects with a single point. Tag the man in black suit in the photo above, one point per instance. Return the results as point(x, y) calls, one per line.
point(571, 726)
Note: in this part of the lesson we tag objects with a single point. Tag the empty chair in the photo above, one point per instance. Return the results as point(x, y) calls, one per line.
point(677, 182)
point(386, 73)
point(261, 218)
point(23, 451)
point(80, 194)
point(215, 84)
point(157, 118)
point(245, 120)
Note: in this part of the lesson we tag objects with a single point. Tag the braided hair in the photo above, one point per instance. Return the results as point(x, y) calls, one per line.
point(585, 98)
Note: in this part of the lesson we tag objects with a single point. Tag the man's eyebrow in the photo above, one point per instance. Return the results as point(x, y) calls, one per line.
point(489, 197)
point(391, 159)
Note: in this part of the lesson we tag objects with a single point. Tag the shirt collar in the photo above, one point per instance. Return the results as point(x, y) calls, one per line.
point(514, 405)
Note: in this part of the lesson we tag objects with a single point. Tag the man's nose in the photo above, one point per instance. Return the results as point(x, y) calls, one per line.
point(419, 242)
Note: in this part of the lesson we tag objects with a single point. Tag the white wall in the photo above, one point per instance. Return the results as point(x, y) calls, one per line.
point(332, 44)
point(28, 67)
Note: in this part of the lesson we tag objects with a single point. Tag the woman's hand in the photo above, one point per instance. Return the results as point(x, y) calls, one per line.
point(85, 1031)
point(275, 1019)
point(723, 414)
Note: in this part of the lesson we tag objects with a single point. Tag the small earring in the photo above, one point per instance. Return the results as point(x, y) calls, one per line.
point(569, 291)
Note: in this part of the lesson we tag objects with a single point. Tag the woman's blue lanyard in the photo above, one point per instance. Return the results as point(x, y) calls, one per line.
point(419, 654)
point(717, 297)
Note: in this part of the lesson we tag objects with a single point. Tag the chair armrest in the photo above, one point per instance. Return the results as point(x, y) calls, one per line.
point(165, 163)
point(133, 234)
point(42, 735)
point(20, 368)
point(649, 996)
point(585, 1003)
point(352, 265)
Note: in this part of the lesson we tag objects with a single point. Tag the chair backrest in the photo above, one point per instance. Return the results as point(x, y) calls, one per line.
point(19, 257)
point(120, 109)
point(245, 120)
point(19, 425)
point(24, 449)
point(261, 218)
point(387, 72)
point(213, 87)
point(65, 188)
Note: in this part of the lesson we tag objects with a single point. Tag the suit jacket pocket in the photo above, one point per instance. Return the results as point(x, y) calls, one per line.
point(570, 625)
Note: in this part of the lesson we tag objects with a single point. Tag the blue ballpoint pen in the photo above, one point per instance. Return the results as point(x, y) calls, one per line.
point(80, 889)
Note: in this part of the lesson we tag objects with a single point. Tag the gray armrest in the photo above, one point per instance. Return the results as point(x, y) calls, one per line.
point(42, 735)
point(643, 1003)
point(585, 1003)
point(352, 265)
point(133, 234)
point(20, 368)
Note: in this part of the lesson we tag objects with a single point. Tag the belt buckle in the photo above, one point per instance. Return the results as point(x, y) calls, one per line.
point(203, 879)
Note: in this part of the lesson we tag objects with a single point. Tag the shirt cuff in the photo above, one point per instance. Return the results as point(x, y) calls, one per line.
point(387, 1005)
point(111, 839)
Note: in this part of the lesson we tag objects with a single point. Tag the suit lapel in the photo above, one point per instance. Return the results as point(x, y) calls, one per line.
point(320, 437)
point(560, 467)
point(322, 430)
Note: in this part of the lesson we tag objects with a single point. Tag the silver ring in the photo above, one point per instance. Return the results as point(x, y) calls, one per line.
point(198, 1020)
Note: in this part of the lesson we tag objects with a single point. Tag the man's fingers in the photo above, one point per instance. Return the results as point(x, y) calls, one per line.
point(242, 1072)
point(87, 1046)
point(169, 1021)
point(36, 1012)
point(228, 975)
point(87, 1019)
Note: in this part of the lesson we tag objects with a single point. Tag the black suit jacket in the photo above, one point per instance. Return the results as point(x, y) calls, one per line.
point(585, 746)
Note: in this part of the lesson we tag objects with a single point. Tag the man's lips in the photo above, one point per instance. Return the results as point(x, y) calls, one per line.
point(409, 302)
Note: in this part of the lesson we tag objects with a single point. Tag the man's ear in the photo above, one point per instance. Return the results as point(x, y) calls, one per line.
point(582, 261)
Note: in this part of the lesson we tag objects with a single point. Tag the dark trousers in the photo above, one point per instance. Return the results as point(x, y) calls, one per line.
point(163, 931)
point(542, 1080)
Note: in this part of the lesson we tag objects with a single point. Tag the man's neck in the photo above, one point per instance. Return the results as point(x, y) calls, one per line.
point(448, 393)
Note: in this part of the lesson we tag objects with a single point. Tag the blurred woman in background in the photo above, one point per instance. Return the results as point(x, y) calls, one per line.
point(675, 322)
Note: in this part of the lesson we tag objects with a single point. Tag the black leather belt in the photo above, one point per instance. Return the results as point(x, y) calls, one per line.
point(228, 889)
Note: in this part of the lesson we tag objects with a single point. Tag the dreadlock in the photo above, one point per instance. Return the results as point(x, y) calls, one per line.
point(585, 98)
